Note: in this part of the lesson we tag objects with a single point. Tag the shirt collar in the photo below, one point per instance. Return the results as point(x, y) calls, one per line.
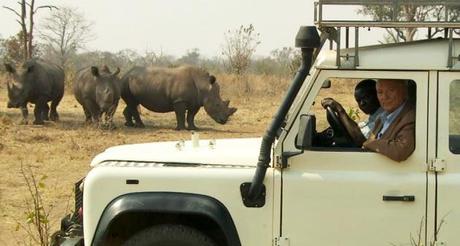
point(376, 114)
point(389, 117)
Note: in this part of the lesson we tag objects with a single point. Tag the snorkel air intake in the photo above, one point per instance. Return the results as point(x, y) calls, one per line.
point(307, 40)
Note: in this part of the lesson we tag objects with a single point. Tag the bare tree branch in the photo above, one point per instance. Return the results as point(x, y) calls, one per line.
point(12, 10)
point(50, 7)
point(64, 32)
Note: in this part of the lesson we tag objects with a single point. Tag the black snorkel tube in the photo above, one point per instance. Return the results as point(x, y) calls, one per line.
point(307, 39)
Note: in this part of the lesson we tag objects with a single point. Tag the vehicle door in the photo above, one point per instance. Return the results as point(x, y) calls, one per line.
point(447, 159)
point(347, 196)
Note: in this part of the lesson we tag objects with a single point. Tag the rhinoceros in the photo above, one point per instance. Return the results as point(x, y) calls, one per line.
point(183, 90)
point(36, 82)
point(98, 92)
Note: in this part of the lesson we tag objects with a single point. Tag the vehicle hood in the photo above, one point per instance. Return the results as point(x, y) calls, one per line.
point(239, 151)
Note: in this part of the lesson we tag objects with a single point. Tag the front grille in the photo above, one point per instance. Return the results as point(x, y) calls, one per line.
point(78, 197)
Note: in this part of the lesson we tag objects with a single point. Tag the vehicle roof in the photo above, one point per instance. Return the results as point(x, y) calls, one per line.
point(416, 55)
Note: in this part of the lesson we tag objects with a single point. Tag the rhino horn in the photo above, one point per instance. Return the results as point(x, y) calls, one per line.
point(227, 102)
point(116, 72)
point(95, 71)
point(231, 111)
point(105, 69)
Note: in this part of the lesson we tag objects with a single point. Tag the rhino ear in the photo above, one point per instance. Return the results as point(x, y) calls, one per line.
point(95, 71)
point(227, 102)
point(212, 79)
point(9, 68)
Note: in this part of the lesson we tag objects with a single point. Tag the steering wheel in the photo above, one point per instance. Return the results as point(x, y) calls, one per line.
point(337, 126)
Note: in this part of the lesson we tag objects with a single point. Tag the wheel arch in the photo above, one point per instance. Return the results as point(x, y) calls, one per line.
point(183, 205)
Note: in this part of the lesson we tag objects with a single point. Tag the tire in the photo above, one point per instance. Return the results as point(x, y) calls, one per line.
point(169, 235)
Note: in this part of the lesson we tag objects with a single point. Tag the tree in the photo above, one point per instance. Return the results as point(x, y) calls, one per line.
point(12, 49)
point(2, 49)
point(239, 46)
point(413, 13)
point(192, 57)
point(157, 58)
point(287, 58)
point(64, 32)
point(27, 31)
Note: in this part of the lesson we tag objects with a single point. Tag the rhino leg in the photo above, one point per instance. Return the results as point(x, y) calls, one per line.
point(25, 114)
point(191, 118)
point(179, 109)
point(87, 115)
point(131, 113)
point(54, 116)
point(45, 112)
point(38, 112)
point(128, 117)
point(137, 118)
point(109, 117)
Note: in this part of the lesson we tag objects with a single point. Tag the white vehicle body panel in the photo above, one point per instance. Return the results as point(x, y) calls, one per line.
point(448, 186)
point(105, 183)
point(222, 151)
point(340, 193)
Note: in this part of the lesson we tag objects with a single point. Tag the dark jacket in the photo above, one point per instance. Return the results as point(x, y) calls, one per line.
point(398, 141)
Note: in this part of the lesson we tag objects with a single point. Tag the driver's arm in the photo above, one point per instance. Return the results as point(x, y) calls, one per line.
point(350, 125)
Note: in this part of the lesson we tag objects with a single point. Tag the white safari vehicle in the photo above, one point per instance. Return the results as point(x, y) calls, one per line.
point(288, 188)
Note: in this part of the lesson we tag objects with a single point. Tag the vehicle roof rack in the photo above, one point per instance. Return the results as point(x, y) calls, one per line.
point(331, 28)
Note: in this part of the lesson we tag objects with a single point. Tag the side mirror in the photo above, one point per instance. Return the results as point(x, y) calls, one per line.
point(326, 84)
point(307, 126)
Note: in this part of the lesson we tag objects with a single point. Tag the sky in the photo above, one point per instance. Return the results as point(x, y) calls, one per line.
point(176, 26)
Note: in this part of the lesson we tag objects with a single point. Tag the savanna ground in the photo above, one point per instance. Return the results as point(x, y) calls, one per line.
point(62, 151)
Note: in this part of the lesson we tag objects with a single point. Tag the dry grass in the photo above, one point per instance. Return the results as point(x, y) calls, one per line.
point(64, 150)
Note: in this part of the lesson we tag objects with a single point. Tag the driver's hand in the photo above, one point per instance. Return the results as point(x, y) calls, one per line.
point(334, 105)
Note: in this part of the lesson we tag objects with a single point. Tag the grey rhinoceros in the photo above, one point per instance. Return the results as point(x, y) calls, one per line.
point(183, 90)
point(37, 82)
point(98, 92)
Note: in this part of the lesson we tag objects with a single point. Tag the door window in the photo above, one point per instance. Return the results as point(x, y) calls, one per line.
point(454, 117)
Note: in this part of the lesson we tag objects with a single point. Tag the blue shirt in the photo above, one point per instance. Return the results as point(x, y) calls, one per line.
point(367, 126)
point(388, 118)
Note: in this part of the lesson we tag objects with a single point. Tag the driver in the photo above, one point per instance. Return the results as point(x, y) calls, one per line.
point(394, 133)
point(366, 97)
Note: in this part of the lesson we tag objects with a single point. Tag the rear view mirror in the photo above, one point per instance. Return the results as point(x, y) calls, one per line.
point(307, 126)
point(326, 84)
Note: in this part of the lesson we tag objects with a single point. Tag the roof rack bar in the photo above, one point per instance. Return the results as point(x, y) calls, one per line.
point(332, 27)
point(347, 37)
point(388, 24)
point(337, 60)
point(356, 46)
point(450, 61)
point(390, 2)
point(394, 23)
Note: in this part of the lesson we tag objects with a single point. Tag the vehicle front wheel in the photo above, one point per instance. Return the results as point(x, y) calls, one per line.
point(169, 235)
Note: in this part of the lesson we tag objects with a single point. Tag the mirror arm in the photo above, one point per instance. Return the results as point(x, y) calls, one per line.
point(286, 155)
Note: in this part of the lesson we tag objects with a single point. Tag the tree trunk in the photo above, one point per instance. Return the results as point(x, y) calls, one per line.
point(31, 29)
point(24, 30)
